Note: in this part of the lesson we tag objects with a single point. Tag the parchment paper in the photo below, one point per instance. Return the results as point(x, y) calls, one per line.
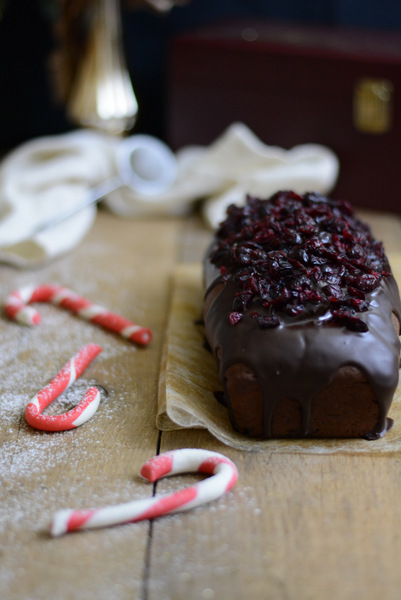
point(189, 378)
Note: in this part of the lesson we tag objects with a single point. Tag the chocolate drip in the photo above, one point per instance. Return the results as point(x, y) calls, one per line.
point(299, 358)
point(299, 292)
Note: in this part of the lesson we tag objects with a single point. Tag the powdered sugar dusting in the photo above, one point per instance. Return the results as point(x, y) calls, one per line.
point(41, 472)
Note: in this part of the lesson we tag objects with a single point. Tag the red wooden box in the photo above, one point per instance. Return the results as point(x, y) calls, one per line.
point(292, 85)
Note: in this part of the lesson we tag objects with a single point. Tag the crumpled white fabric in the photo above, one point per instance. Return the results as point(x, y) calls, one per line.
point(236, 164)
point(47, 175)
point(248, 166)
point(42, 179)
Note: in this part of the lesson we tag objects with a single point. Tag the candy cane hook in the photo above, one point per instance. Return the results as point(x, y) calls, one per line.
point(223, 473)
point(16, 307)
point(66, 377)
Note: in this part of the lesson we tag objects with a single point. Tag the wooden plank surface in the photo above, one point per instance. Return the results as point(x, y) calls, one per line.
point(124, 266)
point(295, 527)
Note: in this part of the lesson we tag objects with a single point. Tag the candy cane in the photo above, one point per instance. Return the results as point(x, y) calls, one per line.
point(16, 308)
point(224, 475)
point(66, 377)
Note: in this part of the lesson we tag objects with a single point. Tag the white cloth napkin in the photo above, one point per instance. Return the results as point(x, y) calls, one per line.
point(248, 166)
point(41, 180)
point(45, 177)
point(235, 164)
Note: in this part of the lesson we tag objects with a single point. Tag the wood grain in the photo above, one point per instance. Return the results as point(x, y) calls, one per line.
point(296, 527)
point(124, 266)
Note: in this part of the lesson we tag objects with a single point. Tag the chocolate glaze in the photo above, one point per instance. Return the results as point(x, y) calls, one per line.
point(297, 361)
point(301, 356)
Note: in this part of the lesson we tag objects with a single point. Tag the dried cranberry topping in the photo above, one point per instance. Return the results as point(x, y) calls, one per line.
point(235, 317)
point(298, 255)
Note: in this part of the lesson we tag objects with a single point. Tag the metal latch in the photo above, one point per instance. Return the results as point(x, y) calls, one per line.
point(373, 105)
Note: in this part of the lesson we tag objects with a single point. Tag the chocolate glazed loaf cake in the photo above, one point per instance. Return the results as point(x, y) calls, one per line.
point(303, 315)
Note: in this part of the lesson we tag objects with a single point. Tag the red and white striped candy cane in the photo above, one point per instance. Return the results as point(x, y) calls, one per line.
point(224, 475)
point(16, 307)
point(66, 377)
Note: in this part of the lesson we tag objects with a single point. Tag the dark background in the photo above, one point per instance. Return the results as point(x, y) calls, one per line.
point(27, 104)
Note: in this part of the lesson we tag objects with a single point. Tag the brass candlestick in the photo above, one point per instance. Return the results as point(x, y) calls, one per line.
point(102, 96)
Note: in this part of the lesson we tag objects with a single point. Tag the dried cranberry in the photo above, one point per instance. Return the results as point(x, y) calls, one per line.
point(357, 304)
point(349, 320)
point(293, 252)
point(356, 293)
point(268, 321)
point(312, 296)
point(235, 317)
point(290, 236)
point(242, 301)
point(366, 282)
point(333, 292)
